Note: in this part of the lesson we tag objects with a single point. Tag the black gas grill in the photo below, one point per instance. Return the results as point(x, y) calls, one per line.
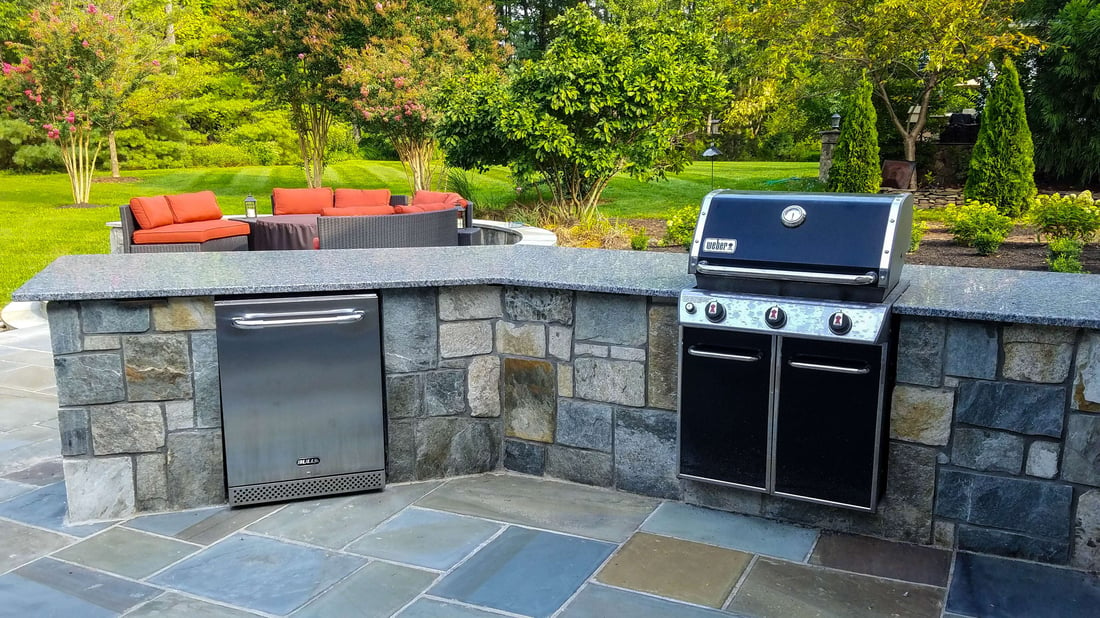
point(785, 359)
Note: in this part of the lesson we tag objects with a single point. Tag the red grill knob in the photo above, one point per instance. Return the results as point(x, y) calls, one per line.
point(775, 317)
point(840, 323)
point(715, 311)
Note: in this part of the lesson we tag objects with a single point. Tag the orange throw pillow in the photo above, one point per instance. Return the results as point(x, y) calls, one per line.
point(188, 207)
point(350, 198)
point(301, 201)
point(431, 197)
point(151, 212)
point(428, 207)
point(357, 211)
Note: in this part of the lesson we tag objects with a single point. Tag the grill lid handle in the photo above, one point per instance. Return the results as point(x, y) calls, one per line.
point(787, 275)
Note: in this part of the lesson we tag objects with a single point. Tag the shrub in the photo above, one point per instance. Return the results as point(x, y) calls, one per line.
point(855, 161)
point(219, 155)
point(639, 241)
point(1071, 217)
point(919, 229)
point(681, 226)
point(1065, 256)
point(1002, 168)
point(978, 225)
point(594, 233)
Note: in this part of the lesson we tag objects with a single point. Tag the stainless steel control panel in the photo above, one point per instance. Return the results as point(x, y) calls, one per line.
point(857, 322)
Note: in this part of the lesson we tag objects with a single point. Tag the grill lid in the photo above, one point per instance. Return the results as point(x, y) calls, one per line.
point(824, 239)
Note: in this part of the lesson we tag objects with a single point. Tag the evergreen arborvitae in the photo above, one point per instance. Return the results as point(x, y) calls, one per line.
point(855, 161)
point(1002, 165)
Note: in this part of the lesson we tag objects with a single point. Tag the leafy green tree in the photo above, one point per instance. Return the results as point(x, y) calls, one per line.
point(629, 95)
point(1002, 166)
point(855, 161)
point(80, 65)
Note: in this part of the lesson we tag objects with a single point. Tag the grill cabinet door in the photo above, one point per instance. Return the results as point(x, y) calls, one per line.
point(724, 403)
point(827, 430)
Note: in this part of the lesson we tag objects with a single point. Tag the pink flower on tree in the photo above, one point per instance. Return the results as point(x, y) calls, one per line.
point(70, 118)
point(378, 6)
point(8, 68)
point(53, 134)
point(155, 63)
point(84, 43)
point(301, 56)
point(92, 10)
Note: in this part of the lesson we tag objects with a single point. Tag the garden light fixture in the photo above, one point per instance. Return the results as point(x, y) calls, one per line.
point(250, 206)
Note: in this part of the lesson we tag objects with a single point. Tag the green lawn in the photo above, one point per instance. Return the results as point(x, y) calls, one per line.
point(37, 228)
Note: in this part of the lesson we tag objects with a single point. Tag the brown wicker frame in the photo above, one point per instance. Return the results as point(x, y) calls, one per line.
point(423, 229)
point(129, 224)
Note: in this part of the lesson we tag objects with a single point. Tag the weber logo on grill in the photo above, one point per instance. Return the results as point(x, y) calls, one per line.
point(720, 245)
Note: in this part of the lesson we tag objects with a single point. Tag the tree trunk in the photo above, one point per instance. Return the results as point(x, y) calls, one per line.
point(114, 155)
point(79, 164)
point(312, 123)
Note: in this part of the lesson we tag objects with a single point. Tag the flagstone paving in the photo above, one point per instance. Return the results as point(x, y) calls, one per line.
point(473, 547)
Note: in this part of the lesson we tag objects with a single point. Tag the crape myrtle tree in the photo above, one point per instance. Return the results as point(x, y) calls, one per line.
point(855, 161)
point(78, 67)
point(1002, 168)
point(627, 94)
point(400, 75)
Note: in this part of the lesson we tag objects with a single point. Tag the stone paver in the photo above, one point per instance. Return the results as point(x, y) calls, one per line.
point(430, 539)
point(126, 552)
point(751, 534)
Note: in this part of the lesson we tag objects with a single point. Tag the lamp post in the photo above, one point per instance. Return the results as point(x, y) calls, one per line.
point(834, 121)
point(250, 206)
point(710, 153)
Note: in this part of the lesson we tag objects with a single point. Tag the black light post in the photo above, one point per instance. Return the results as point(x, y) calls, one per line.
point(710, 153)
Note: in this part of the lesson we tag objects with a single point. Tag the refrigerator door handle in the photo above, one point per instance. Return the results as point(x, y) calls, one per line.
point(272, 320)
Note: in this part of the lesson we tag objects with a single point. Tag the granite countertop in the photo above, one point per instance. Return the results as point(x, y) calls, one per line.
point(1028, 297)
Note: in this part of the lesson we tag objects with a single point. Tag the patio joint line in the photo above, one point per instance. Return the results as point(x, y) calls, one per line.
point(107, 573)
point(740, 581)
point(492, 610)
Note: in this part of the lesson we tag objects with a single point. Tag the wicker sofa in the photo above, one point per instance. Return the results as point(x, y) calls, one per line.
point(182, 222)
point(434, 228)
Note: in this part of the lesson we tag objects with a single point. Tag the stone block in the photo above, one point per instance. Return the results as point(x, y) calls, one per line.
point(483, 386)
point(525, 457)
point(410, 335)
point(1001, 543)
point(1086, 532)
point(208, 394)
point(445, 392)
point(1034, 508)
point(157, 367)
point(127, 428)
point(196, 468)
point(989, 451)
point(454, 446)
point(920, 351)
point(108, 316)
point(584, 424)
point(179, 414)
point(905, 512)
point(613, 319)
point(722, 498)
point(469, 302)
point(1022, 408)
point(1042, 459)
point(401, 451)
point(579, 466)
point(645, 453)
point(1038, 353)
point(192, 313)
point(458, 339)
point(612, 381)
point(64, 321)
point(1086, 383)
point(521, 339)
point(530, 399)
point(73, 425)
point(89, 378)
point(560, 342)
point(943, 534)
point(588, 349)
point(1081, 457)
point(538, 305)
point(99, 488)
point(623, 353)
point(151, 482)
point(405, 395)
point(971, 350)
point(921, 415)
point(102, 342)
point(565, 380)
point(663, 368)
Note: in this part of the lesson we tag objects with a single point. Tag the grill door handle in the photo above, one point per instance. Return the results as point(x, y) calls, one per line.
point(743, 358)
point(787, 275)
point(271, 320)
point(833, 368)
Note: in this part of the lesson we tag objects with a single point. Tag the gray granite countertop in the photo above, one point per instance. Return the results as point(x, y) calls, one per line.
point(936, 291)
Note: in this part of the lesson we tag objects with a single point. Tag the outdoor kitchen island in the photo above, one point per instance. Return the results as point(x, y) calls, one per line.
point(563, 362)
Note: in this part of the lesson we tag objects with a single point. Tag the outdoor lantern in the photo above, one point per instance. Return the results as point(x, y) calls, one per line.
point(710, 153)
point(834, 121)
point(250, 206)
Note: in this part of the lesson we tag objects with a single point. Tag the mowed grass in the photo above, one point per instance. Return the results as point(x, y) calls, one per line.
point(37, 228)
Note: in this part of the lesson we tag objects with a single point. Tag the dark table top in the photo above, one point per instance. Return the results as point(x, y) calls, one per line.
point(283, 232)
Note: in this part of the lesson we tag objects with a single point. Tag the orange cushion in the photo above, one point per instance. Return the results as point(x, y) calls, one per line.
point(349, 198)
point(151, 211)
point(430, 197)
point(188, 207)
point(357, 210)
point(196, 231)
point(301, 201)
point(428, 207)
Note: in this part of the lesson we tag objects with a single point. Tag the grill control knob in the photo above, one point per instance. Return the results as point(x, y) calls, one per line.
point(715, 311)
point(689, 307)
point(839, 323)
point(776, 317)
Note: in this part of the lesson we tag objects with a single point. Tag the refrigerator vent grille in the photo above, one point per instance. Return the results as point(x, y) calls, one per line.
point(306, 488)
